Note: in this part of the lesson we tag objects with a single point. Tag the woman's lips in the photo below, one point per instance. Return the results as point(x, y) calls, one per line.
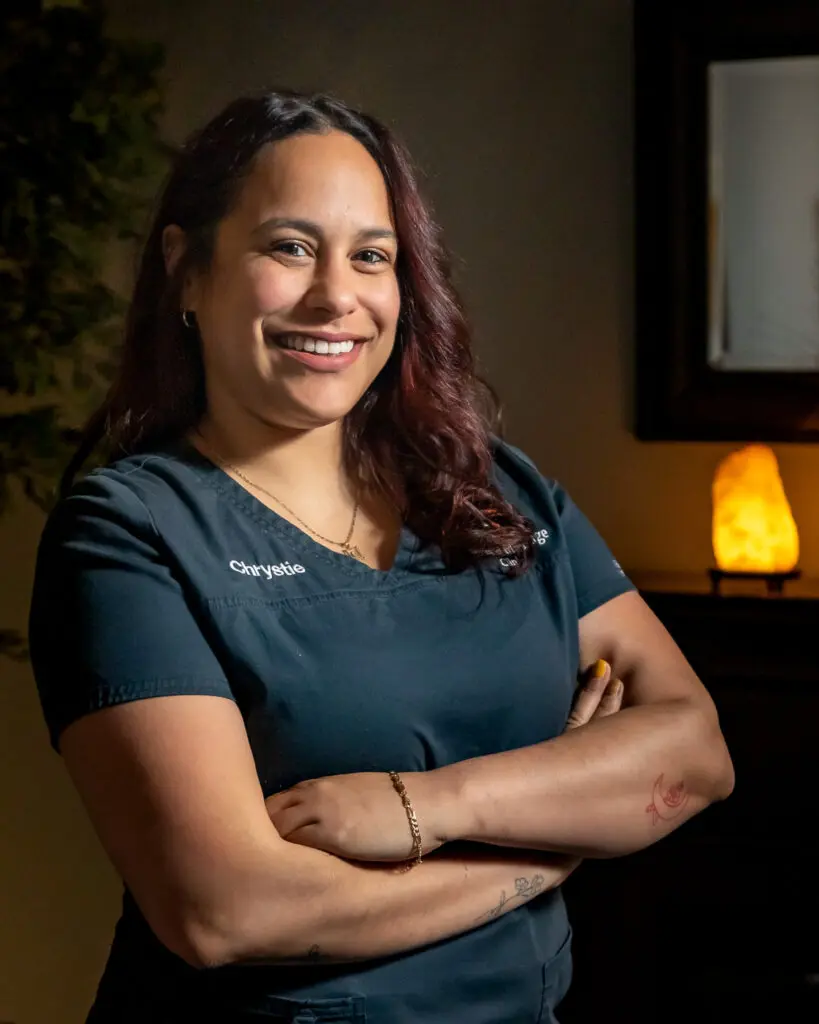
point(322, 362)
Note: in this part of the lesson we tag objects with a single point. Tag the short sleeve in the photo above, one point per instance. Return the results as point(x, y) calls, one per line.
point(561, 529)
point(109, 623)
point(598, 576)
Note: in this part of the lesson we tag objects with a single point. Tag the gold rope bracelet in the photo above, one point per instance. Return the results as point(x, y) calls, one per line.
point(417, 845)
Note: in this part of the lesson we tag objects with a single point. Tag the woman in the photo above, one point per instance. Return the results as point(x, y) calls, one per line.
point(314, 624)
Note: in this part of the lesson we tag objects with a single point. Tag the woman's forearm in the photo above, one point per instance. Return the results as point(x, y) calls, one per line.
point(610, 788)
point(334, 910)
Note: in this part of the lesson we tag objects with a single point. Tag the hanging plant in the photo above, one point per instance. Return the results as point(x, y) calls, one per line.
point(80, 159)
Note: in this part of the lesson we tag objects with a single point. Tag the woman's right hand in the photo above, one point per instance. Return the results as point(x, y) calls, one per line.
point(598, 696)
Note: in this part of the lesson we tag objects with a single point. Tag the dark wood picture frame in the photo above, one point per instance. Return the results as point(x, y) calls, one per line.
point(678, 395)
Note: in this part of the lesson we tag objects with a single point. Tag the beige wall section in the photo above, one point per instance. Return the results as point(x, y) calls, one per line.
point(520, 112)
point(58, 896)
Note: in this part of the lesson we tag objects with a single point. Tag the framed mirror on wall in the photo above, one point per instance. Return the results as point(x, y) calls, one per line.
point(727, 219)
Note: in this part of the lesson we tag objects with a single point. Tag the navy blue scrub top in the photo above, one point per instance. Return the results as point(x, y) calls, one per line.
point(161, 575)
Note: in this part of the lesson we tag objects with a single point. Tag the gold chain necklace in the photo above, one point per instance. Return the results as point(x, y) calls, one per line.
point(347, 548)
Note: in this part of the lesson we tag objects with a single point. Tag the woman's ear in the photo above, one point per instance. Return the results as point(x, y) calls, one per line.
point(173, 246)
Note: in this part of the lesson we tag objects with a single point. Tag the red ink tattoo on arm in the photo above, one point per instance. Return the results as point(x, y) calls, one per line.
point(668, 802)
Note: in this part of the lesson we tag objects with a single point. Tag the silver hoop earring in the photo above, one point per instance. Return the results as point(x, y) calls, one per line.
point(189, 319)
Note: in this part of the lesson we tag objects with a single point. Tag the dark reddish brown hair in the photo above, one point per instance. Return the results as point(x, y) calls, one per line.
point(421, 433)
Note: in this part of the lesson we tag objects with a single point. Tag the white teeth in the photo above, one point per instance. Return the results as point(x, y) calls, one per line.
point(320, 346)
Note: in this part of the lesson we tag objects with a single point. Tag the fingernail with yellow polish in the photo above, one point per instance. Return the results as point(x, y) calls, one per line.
point(600, 669)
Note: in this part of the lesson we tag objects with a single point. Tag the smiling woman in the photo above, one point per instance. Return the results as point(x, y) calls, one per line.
point(281, 291)
point(313, 620)
point(282, 220)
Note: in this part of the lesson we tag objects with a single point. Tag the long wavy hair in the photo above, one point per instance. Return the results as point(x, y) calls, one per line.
point(422, 433)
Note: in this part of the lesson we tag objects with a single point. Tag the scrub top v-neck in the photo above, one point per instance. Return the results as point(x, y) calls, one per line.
point(162, 575)
point(269, 519)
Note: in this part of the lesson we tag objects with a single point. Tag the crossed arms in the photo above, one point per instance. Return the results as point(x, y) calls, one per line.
point(172, 789)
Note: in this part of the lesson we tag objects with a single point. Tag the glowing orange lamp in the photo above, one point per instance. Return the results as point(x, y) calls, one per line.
point(753, 529)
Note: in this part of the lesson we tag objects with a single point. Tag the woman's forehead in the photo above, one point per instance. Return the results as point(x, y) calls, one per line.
point(315, 177)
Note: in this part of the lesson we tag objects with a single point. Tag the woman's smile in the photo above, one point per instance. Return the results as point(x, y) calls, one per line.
point(318, 352)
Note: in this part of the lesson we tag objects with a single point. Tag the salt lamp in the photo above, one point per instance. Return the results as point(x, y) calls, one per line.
point(753, 527)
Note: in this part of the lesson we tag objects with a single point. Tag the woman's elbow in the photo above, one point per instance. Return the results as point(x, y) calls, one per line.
point(193, 940)
point(263, 931)
point(203, 938)
point(719, 768)
point(710, 770)
point(725, 777)
point(203, 948)
point(250, 915)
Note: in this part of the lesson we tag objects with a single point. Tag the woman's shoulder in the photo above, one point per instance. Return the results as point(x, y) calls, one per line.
point(521, 482)
point(135, 491)
point(146, 477)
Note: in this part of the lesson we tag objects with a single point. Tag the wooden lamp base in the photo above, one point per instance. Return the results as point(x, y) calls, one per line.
point(774, 581)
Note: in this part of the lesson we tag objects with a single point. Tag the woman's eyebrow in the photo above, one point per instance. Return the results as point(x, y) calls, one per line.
point(309, 227)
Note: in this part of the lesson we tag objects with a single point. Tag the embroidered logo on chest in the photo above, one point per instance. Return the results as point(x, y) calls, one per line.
point(540, 537)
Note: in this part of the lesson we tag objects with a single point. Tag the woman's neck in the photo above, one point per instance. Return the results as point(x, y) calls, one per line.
point(297, 461)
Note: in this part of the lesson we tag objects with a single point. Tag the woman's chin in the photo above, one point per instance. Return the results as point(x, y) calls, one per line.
point(311, 415)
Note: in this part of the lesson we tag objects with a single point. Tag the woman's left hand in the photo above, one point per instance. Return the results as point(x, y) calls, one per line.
point(358, 816)
point(361, 817)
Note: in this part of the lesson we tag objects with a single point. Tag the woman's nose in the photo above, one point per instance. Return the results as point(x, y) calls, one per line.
point(332, 290)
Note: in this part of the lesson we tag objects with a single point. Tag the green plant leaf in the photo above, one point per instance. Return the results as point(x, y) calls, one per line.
point(80, 161)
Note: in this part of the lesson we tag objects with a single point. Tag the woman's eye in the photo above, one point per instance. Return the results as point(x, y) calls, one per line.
point(298, 250)
point(290, 248)
point(373, 256)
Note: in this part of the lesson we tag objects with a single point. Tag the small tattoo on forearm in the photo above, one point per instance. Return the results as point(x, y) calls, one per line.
point(314, 954)
point(525, 889)
point(669, 801)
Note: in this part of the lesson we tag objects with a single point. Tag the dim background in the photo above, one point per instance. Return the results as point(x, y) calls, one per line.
point(519, 112)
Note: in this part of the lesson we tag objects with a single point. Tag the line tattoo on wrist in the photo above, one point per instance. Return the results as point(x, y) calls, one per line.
point(668, 801)
point(525, 889)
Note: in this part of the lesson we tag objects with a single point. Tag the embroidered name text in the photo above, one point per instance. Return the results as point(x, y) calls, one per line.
point(268, 571)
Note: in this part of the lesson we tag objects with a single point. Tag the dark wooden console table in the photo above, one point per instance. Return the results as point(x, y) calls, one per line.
point(719, 923)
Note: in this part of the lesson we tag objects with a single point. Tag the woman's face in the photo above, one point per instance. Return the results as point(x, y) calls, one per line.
point(299, 309)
